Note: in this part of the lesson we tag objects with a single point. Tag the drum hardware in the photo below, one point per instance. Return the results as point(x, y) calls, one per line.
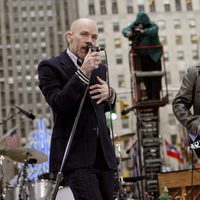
point(120, 193)
point(23, 187)
point(26, 156)
point(41, 189)
point(2, 194)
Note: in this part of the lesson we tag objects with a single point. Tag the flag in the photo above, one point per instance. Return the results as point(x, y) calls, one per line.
point(11, 139)
point(173, 151)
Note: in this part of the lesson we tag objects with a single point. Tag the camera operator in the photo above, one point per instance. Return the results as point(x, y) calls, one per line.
point(143, 32)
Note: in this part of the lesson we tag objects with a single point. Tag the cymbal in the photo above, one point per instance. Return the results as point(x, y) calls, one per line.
point(22, 155)
point(123, 137)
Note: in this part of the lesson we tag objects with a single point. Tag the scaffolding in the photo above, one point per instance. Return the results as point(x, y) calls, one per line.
point(147, 113)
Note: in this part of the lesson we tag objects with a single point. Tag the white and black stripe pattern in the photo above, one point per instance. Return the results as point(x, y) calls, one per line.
point(82, 77)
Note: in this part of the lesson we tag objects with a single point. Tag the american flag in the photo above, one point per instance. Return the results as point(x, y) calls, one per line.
point(11, 139)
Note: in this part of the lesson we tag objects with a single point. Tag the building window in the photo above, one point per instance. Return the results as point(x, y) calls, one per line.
point(129, 6)
point(181, 75)
point(194, 39)
point(125, 123)
point(114, 7)
point(192, 23)
point(195, 54)
point(141, 7)
point(100, 26)
point(1, 74)
point(189, 5)
point(91, 7)
point(163, 40)
point(115, 26)
point(162, 24)
point(180, 55)
point(171, 119)
point(117, 43)
point(166, 56)
point(167, 7)
point(177, 23)
point(152, 6)
point(103, 9)
point(174, 139)
point(129, 9)
point(121, 81)
point(119, 60)
point(179, 40)
point(178, 5)
point(102, 43)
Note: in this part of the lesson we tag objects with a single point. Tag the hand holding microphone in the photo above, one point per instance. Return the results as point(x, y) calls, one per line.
point(92, 59)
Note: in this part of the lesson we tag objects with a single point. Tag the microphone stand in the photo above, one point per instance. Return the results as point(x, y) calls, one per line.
point(9, 118)
point(59, 176)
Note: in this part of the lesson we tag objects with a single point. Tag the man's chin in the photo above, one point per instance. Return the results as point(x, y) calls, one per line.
point(82, 53)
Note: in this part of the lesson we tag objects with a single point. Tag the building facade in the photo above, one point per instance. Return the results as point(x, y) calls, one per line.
point(31, 30)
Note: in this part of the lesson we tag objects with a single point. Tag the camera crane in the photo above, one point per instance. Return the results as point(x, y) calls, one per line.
point(149, 140)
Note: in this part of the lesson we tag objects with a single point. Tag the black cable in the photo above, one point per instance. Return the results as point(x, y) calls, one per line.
point(109, 102)
point(111, 122)
point(192, 175)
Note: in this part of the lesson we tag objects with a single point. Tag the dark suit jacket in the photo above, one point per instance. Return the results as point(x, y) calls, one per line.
point(63, 91)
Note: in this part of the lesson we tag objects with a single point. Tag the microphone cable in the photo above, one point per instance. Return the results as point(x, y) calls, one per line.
point(109, 102)
point(192, 175)
point(117, 179)
point(193, 168)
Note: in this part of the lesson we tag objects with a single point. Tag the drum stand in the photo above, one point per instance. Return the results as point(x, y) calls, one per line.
point(23, 187)
point(1, 178)
point(121, 193)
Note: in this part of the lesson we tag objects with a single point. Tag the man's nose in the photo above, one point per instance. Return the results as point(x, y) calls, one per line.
point(89, 39)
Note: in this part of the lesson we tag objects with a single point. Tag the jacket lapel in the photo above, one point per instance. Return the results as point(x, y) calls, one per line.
point(67, 64)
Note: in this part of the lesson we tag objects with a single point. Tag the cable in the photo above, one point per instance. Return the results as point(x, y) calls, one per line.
point(109, 103)
point(192, 175)
point(111, 125)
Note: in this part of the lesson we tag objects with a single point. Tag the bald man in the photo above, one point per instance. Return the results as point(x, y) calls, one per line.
point(63, 81)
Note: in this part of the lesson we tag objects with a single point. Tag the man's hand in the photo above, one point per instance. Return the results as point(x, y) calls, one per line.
point(129, 34)
point(99, 92)
point(139, 30)
point(90, 63)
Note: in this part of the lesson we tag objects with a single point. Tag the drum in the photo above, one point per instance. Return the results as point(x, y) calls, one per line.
point(65, 193)
point(12, 192)
point(40, 189)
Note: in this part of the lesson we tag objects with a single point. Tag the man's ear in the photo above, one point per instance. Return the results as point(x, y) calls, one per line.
point(68, 37)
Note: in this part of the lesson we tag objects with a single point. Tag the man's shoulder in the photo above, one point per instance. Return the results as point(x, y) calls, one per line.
point(198, 65)
point(194, 67)
point(194, 70)
point(52, 60)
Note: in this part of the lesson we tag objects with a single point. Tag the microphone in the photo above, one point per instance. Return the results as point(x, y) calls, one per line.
point(126, 111)
point(26, 113)
point(93, 48)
